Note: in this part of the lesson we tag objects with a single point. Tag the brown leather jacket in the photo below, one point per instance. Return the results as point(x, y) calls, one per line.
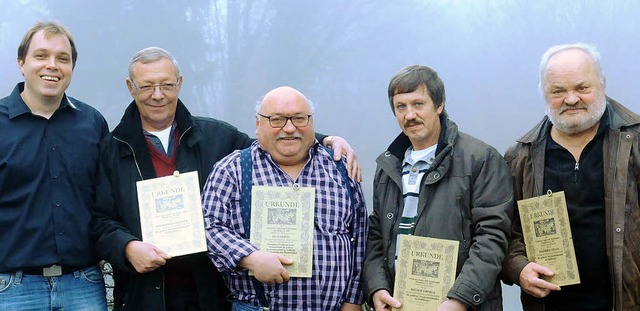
point(622, 168)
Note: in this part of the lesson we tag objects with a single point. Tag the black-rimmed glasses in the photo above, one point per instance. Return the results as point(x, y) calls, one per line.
point(278, 121)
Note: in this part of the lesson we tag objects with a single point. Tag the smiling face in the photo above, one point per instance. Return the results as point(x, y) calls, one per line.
point(158, 108)
point(47, 68)
point(574, 93)
point(288, 145)
point(418, 117)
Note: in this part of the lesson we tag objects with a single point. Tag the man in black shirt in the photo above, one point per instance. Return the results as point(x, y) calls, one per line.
point(586, 146)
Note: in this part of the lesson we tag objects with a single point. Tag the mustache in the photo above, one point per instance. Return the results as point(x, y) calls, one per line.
point(294, 135)
point(564, 108)
point(412, 123)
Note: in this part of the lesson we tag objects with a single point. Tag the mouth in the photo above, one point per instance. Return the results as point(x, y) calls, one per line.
point(411, 124)
point(50, 78)
point(572, 110)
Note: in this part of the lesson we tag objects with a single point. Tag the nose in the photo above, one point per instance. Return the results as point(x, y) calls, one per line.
point(52, 63)
point(572, 98)
point(157, 93)
point(288, 126)
point(410, 114)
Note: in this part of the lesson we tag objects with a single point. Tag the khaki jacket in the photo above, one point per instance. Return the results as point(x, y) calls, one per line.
point(622, 165)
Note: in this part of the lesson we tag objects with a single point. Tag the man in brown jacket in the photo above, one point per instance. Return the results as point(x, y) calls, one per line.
point(588, 147)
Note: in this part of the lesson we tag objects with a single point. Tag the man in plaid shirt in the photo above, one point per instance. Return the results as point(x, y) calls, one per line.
point(287, 155)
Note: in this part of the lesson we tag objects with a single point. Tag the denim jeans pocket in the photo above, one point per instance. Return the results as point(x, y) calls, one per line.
point(6, 280)
point(93, 275)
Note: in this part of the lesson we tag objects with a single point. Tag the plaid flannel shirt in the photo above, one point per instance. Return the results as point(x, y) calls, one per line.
point(337, 262)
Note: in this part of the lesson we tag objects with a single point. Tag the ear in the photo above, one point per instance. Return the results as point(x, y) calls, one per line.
point(179, 86)
point(440, 109)
point(21, 66)
point(130, 87)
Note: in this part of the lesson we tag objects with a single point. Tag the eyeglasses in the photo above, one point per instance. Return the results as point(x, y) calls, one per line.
point(149, 89)
point(277, 121)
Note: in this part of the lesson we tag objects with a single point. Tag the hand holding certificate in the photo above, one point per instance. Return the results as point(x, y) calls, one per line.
point(425, 271)
point(282, 220)
point(171, 213)
point(547, 236)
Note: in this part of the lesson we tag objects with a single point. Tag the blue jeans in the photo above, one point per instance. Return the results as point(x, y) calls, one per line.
point(244, 306)
point(81, 290)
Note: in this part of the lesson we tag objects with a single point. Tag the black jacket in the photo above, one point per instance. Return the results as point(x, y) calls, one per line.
point(124, 160)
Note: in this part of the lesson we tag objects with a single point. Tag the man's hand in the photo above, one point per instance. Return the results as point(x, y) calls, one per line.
point(267, 267)
point(382, 301)
point(531, 282)
point(342, 148)
point(145, 257)
point(350, 307)
point(452, 305)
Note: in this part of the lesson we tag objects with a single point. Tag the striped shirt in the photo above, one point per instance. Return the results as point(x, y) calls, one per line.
point(414, 166)
point(337, 264)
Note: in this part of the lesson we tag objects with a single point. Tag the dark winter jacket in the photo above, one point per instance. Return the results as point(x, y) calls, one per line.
point(621, 176)
point(125, 159)
point(466, 196)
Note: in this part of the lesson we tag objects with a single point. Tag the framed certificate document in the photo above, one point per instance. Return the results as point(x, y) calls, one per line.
point(425, 271)
point(547, 236)
point(171, 213)
point(282, 222)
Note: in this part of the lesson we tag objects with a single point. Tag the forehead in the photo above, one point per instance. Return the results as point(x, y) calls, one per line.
point(56, 42)
point(285, 103)
point(420, 92)
point(571, 66)
point(160, 69)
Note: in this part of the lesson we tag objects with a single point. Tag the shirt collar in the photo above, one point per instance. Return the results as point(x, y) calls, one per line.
point(18, 107)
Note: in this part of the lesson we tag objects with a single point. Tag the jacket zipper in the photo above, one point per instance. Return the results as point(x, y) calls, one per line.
point(462, 221)
point(135, 159)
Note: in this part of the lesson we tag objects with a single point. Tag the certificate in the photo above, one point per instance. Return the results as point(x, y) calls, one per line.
point(425, 271)
point(171, 213)
point(547, 236)
point(282, 222)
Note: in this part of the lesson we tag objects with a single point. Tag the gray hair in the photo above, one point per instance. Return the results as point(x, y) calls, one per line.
point(584, 47)
point(152, 54)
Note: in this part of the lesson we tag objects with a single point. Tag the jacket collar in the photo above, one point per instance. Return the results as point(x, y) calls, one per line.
point(129, 131)
point(448, 133)
point(615, 117)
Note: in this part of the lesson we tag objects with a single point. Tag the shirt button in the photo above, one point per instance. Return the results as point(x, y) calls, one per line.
point(53, 148)
point(55, 176)
point(414, 169)
point(157, 287)
point(57, 204)
point(618, 229)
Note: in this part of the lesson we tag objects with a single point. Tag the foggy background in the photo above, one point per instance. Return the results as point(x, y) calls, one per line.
point(339, 53)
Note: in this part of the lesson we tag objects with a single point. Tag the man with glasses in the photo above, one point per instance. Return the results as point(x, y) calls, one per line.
point(155, 137)
point(48, 158)
point(286, 155)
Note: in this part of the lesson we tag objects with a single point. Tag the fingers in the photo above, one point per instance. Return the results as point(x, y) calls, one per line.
point(162, 253)
point(383, 301)
point(532, 283)
point(284, 260)
point(337, 152)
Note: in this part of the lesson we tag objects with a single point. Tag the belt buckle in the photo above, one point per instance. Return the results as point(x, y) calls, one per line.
point(54, 270)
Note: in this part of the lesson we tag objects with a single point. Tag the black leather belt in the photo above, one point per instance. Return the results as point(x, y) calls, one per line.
point(55, 270)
